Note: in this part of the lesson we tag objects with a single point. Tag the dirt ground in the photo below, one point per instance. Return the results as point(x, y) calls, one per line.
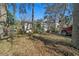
point(23, 45)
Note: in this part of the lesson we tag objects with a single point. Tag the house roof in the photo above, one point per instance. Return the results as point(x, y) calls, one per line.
point(27, 22)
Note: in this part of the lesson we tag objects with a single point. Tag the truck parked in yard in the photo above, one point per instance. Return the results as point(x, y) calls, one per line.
point(66, 31)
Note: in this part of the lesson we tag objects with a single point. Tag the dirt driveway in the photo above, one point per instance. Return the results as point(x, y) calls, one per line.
point(25, 46)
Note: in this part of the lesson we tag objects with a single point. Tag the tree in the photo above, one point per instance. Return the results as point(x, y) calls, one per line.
point(32, 15)
point(75, 31)
point(49, 22)
point(14, 8)
point(54, 10)
point(22, 11)
point(6, 8)
point(10, 18)
point(31, 5)
point(58, 11)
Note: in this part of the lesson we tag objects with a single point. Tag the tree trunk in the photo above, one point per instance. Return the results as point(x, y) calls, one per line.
point(75, 31)
point(14, 8)
point(32, 16)
point(6, 12)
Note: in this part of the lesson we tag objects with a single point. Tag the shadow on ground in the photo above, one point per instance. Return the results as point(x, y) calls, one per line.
point(60, 47)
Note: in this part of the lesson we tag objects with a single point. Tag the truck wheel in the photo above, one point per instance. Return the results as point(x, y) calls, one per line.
point(64, 33)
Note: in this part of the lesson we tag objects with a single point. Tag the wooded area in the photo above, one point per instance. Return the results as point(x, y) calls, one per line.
point(56, 33)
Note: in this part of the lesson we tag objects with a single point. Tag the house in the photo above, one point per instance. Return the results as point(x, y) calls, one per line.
point(27, 26)
point(50, 24)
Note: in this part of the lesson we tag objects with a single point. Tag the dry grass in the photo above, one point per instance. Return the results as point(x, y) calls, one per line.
point(59, 44)
point(55, 38)
point(24, 46)
point(5, 48)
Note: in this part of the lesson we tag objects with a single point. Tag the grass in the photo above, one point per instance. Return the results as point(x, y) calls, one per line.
point(55, 38)
point(48, 45)
point(61, 45)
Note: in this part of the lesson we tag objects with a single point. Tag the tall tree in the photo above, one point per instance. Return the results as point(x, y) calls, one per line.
point(14, 8)
point(31, 5)
point(5, 5)
point(58, 11)
point(75, 31)
point(10, 18)
point(54, 10)
point(32, 16)
point(22, 11)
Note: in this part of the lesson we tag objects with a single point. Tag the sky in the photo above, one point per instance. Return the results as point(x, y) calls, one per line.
point(39, 11)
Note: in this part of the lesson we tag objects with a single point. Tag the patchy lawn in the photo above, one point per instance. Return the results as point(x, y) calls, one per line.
point(38, 45)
